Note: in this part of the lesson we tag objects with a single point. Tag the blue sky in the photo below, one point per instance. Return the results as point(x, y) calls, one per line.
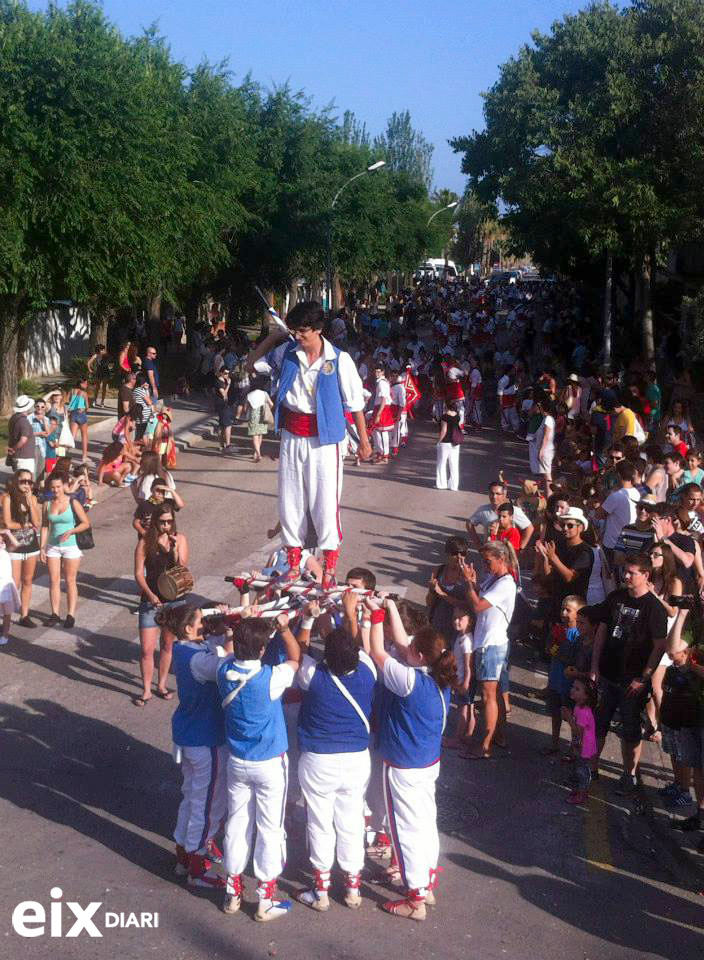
point(369, 56)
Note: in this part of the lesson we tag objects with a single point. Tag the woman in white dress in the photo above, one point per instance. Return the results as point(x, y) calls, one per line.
point(541, 447)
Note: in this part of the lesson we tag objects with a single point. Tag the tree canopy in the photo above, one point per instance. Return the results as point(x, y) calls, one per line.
point(126, 176)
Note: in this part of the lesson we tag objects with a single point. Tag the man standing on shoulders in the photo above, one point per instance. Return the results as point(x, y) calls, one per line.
point(318, 389)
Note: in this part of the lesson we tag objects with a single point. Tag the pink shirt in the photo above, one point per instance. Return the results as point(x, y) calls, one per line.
point(584, 718)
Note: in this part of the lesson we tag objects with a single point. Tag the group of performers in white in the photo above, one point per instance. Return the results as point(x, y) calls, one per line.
point(371, 712)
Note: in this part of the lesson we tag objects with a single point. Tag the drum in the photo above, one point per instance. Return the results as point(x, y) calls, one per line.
point(175, 583)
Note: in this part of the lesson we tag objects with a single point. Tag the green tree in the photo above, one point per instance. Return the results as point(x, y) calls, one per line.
point(405, 149)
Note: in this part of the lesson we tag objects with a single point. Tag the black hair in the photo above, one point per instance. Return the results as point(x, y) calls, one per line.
point(307, 313)
point(249, 636)
point(341, 652)
point(363, 574)
point(176, 619)
point(506, 507)
point(412, 616)
point(456, 545)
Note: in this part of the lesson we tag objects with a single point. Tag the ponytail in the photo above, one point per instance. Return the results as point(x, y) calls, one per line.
point(441, 662)
point(176, 619)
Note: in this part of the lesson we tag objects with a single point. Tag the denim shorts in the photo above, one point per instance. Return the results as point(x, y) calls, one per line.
point(490, 662)
point(79, 417)
point(147, 611)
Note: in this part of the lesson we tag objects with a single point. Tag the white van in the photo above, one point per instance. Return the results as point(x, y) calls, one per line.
point(436, 267)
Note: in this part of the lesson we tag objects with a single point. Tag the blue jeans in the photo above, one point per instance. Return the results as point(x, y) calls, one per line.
point(490, 662)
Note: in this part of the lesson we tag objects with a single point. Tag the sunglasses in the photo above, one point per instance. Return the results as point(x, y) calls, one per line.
point(570, 525)
point(165, 523)
point(24, 483)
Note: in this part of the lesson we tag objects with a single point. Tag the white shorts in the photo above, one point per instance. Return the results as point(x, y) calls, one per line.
point(67, 552)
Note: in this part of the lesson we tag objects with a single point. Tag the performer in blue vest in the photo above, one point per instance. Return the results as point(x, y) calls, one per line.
point(317, 389)
point(257, 764)
point(198, 730)
point(333, 769)
point(410, 740)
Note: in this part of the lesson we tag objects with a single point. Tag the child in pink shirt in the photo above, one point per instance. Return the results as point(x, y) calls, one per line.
point(583, 694)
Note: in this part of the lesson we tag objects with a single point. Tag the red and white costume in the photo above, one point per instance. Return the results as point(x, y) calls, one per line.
point(382, 429)
point(474, 399)
point(453, 389)
point(310, 473)
point(398, 405)
point(506, 392)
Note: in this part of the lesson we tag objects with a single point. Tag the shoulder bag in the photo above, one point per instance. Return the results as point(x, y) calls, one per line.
point(84, 538)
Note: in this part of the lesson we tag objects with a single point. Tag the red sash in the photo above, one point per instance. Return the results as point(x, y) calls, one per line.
point(299, 424)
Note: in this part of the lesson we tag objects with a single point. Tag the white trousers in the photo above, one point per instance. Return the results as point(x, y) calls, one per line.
point(510, 419)
point(412, 816)
point(474, 412)
point(375, 794)
point(310, 479)
point(447, 470)
point(333, 786)
point(204, 790)
point(381, 440)
point(256, 799)
point(399, 431)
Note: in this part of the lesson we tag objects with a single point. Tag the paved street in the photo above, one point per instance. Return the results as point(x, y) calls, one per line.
point(88, 789)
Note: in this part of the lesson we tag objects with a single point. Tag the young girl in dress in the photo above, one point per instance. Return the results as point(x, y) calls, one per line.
point(9, 597)
point(410, 741)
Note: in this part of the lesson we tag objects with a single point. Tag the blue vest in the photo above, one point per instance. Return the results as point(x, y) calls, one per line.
point(328, 398)
point(198, 719)
point(411, 728)
point(327, 723)
point(254, 723)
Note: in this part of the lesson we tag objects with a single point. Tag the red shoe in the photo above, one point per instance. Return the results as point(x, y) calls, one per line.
point(394, 452)
point(330, 558)
point(202, 872)
point(213, 851)
point(410, 908)
point(293, 555)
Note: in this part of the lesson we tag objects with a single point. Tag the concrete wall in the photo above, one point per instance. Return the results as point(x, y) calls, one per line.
point(53, 338)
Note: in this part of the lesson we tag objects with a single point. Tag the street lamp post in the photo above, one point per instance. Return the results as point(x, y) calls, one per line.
point(328, 270)
point(449, 206)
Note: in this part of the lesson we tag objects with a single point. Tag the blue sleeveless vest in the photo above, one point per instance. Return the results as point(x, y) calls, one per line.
point(198, 720)
point(327, 723)
point(328, 398)
point(411, 728)
point(254, 723)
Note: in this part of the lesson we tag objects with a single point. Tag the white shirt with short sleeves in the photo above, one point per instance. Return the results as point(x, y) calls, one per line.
point(301, 396)
point(491, 628)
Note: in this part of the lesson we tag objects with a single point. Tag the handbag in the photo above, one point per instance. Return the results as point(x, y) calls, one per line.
point(84, 538)
point(268, 414)
point(66, 437)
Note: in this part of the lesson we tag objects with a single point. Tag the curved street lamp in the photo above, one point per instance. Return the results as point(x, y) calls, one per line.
point(455, 203)
point(328, 271)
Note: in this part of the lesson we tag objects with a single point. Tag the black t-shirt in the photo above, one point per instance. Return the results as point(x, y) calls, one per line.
point(682, 703)
point(633, 624)
point(580, 558)
point(452, 420)
point(686, 574)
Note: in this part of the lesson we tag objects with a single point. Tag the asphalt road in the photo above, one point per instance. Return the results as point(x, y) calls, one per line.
point(89, 792)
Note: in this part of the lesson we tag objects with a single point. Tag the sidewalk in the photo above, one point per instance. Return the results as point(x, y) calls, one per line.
point(191, 420)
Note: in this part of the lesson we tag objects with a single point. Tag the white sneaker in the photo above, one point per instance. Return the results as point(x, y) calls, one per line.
point(3, 640)
point(315, 899)
point(272, 909)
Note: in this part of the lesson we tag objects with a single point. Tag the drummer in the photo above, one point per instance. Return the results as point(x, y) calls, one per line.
point(160, 550)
